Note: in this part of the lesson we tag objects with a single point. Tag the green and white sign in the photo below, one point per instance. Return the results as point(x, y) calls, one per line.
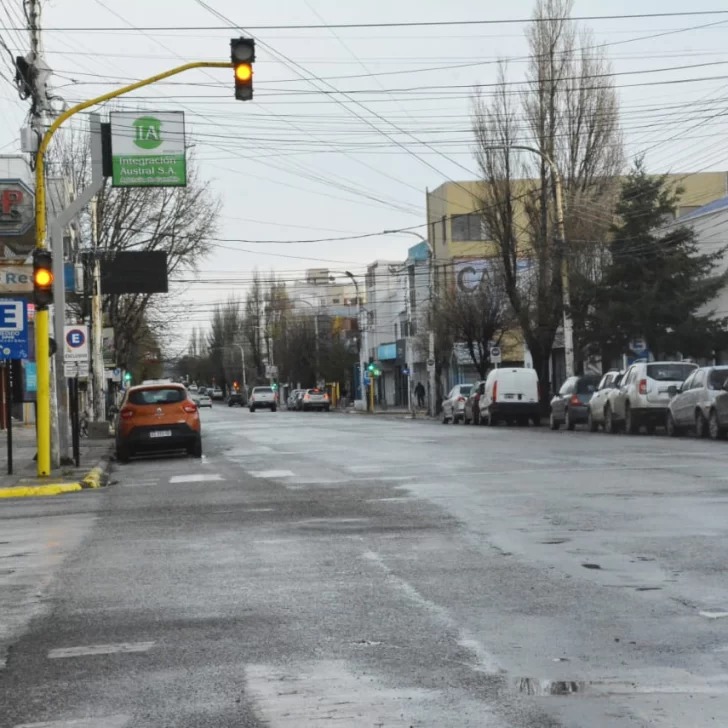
point(148, 149)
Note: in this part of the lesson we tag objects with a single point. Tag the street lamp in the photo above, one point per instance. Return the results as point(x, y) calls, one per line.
point(363, 334)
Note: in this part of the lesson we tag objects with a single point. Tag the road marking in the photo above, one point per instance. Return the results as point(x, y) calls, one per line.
point(714, 615)
point(271, 474)
point(195, 478)
point(104, 721)
point(89, 650)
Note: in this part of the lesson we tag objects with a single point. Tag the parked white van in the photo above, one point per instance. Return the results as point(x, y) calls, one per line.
point(511, 395)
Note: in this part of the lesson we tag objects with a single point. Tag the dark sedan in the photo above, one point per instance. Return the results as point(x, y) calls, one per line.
point(236, 398)
point(570, 406)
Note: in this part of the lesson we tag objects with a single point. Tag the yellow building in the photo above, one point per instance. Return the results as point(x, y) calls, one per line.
point(460, 243)
point(455, 230)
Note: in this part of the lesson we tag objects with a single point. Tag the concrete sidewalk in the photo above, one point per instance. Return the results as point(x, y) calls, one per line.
point(92, 472)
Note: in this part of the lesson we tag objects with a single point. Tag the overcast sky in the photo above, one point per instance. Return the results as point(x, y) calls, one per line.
point(299, 164)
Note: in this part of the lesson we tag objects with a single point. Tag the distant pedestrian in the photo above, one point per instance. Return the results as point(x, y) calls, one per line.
point(420, 394)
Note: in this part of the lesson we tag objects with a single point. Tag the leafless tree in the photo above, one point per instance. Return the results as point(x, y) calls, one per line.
point(476, 318)
point(177, 220)
point(569, 113)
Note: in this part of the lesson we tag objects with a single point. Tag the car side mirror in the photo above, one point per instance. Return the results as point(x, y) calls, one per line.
point(672, 390)
point(113, 410)
point(725, 386)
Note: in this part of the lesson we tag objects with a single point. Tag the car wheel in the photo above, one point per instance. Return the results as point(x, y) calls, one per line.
point(122, 452)
point(273, 408)
point(553, 422)
point(230, 404)
point(491, 421)
point(196, 450)
point(701, 429)
point(476, 416)
point(631, 425)
point(567, 421)
point(671, 427)
point(444, 418)
point(536, 421)
point(715, 431)
point(590, 423)
point(252, 409)
point(651, 428)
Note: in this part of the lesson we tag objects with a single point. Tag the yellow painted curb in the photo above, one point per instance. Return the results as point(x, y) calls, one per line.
point(93, 479)
point(24, 491)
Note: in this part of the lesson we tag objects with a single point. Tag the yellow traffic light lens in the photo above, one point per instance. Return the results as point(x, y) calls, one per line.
point(43, 277)
point(243, 72)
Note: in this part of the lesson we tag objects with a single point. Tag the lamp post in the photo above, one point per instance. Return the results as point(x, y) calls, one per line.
point(431, 331)
point(363, 333)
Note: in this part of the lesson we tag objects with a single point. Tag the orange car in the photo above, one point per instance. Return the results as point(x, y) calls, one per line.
point(158, 417)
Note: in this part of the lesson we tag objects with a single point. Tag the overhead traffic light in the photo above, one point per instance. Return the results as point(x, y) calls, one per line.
point(127, 378)
point(42, 278)
point(242, 53)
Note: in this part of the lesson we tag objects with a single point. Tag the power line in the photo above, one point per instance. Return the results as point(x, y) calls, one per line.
point(403, 24)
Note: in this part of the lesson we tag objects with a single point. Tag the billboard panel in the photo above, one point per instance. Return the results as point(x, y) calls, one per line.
point(148, 149)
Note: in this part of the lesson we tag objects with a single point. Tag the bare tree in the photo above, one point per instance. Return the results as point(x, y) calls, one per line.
point(476, 318)
point(179, 221)
point(255, 304)
point(569, 113)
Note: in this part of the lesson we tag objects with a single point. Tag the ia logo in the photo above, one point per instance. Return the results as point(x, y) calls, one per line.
point(148, 132)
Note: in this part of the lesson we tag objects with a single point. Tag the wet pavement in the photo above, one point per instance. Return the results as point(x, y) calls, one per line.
point(323, 570)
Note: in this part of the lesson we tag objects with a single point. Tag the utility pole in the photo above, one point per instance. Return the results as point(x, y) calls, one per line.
point(97, 319)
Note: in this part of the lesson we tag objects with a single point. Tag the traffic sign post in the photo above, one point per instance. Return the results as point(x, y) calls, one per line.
point(13, 329)
point(495, 356)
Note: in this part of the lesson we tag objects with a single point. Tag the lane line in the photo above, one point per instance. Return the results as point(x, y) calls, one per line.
point(271, 473)
point(196, 478)
point(104, 721)
point(91, 650)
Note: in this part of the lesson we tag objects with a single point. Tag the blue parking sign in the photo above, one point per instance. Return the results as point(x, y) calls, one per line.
point(13, 328)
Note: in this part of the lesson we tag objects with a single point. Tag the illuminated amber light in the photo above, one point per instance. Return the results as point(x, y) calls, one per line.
point(244, 72)
point(43, 277)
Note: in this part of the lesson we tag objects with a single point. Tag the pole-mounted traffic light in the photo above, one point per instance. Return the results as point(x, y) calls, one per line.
point(42, 278)
point(242, 53)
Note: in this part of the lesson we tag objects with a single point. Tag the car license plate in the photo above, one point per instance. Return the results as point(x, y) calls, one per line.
point(160, 433)
point(508, 396)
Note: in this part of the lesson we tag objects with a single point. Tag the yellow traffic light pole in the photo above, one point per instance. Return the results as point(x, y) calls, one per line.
point(42, 354)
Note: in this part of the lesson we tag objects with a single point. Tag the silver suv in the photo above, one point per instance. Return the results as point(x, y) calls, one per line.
point(700, 404)
point(644, 394)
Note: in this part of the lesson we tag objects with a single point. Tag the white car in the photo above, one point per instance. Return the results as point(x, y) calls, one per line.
point(595, 414)
point(453, 406)
point(203, 400)
point(511, 395)
point(263, 398)
point(644, 394)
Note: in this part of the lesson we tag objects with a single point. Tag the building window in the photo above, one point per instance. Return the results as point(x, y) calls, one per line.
point(335, 300)
point(469, 227)
point(444, 229)
point(395, 331)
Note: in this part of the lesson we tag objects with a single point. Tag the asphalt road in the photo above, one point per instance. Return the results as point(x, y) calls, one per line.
point(321, 570)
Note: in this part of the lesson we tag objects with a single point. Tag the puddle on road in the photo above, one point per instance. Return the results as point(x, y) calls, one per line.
point(531, 686)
